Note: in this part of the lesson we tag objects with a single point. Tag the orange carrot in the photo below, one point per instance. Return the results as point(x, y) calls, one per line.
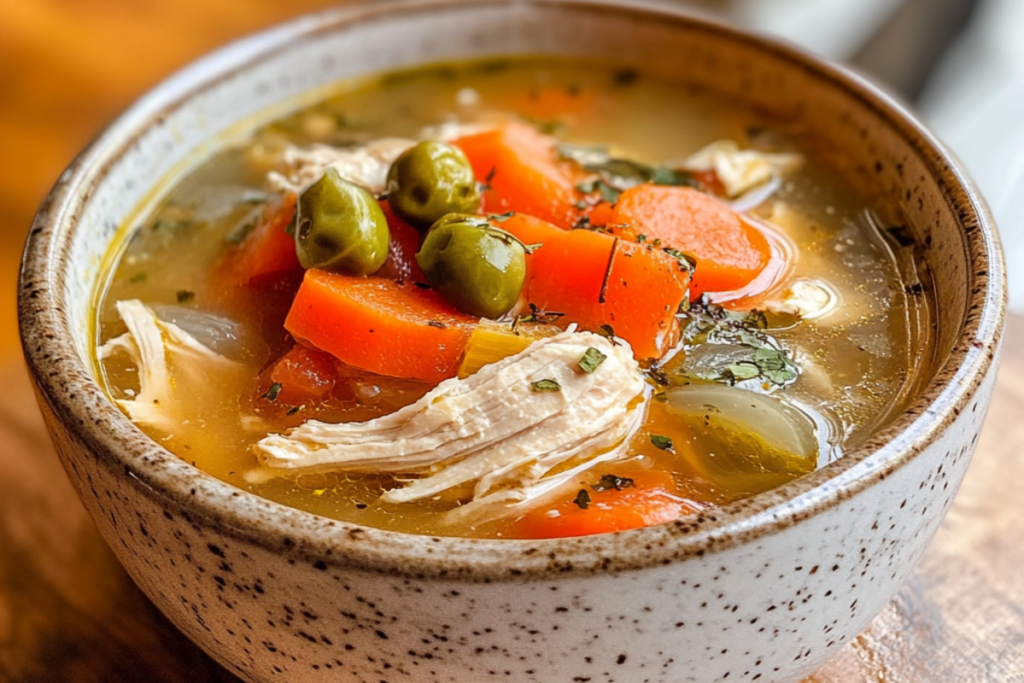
point(597, 279)
point(521, 169)
point(379, 325)
point(730, 251)
point(405, 242)
point(650, 500)
point(268, 250)
point(303, 374)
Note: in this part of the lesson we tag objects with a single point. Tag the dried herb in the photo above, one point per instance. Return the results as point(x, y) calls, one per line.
point(272, 392)
point(545, 386)
point(609, 482)
point(687, 262)
point(139, 278)
point(436, 323)
point(184, 296)
point(617, 175)
point(582, 499)
point(662, 442)
point(536, 315)
point(294, 409)
point(592, 358)
point(753, 353)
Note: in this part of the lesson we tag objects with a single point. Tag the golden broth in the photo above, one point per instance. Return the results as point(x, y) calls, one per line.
point(858, 361)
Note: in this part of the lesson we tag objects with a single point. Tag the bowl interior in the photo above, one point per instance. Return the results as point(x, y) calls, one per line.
point(885, 154)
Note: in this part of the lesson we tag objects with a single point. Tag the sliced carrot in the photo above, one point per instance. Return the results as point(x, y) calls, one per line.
point(268, 250)
point(650, 500)
point(730, 251)
point(405, 242)
point(520, 167)
point(597, 279)
point(380, 325)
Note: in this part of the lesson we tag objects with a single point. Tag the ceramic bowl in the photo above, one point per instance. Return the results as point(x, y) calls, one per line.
point(763, 590)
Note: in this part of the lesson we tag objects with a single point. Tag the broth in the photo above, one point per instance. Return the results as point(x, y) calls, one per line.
point(857, 360)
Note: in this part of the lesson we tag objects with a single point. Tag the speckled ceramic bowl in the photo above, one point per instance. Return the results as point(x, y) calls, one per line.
point(764, 590)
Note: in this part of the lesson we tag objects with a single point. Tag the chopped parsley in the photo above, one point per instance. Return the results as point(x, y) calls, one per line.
point(545, 386)
point(582, 499)
point(592, 358)
point(184, 296)
point(272, 392)
point(662, 442)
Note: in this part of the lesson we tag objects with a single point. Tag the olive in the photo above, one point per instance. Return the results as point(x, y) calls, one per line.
point(339, 226)
point(476, 267)
point(429, 180)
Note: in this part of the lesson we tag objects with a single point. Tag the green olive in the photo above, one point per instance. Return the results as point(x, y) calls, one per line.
point(339, 226)
point(476, 267)
point(429, 180)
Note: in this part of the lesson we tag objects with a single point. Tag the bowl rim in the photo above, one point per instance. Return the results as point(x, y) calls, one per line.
point(64, 383)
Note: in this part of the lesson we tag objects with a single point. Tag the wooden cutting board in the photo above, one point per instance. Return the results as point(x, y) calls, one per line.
point(68, 612)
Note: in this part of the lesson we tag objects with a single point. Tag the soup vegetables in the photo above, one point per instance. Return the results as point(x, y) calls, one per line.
point(497, 225)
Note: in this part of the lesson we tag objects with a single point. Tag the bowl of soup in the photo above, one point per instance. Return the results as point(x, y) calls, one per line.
point(533, 341)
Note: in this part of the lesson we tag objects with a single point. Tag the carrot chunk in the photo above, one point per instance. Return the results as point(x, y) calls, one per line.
point(302, 374)
point(730, 251)
point(268, 250)
point(647, 499)
point(521, 170)
point(380, 325)
point(597, 279)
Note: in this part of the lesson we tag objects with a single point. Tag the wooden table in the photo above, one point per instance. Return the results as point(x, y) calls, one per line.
point(68, 612)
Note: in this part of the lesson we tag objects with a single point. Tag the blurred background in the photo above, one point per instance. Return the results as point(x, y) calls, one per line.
point(67, 67)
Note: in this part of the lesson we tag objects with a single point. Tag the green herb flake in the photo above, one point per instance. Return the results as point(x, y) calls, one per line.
point(184, 296)
point(294, 409)
point(139, 278)
point(608, 331)
point(608, 193)
point(582, 499)
point(501, 217)
point(272, 392)
point(609, 482)
point(662, 442)
point(686, 261)
point(545, 386)
point(592, 358)
point(436, 323)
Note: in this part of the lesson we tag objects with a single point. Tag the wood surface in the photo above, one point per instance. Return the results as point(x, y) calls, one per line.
point(68, 612)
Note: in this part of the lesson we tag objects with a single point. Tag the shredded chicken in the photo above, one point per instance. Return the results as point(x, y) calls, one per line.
point(740, 170)
point(493, 428)
point(153, 345)
point(366, 165)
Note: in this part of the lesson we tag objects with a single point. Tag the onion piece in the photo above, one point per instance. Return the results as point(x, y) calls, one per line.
point(779, 425)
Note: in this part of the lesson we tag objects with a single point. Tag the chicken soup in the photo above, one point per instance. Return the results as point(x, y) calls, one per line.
point(516, 298)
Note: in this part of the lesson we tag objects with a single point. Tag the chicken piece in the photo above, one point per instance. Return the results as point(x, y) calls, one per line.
point(366, 165)
point(740, 170)
point(505, 427)
point(171, 362)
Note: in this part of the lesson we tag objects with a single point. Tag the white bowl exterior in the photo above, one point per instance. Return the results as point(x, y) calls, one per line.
point(769, 609)
point(774, 609)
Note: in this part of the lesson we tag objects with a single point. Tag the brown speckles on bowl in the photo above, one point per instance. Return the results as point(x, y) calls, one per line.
point(761, 590)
